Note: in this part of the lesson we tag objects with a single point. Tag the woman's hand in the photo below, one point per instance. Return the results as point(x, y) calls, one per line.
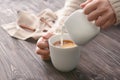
point(101, 11)
point(42, 47)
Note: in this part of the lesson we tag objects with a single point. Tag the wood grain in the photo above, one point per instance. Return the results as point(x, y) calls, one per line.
point(99, 60)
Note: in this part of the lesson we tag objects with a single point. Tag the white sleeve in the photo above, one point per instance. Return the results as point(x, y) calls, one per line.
point(116, 7)
point(69, 7)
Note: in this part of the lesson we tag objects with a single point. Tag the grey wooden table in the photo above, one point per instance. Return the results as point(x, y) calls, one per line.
point(99, 60)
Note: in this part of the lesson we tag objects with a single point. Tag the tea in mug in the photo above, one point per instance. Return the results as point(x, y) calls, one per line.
point(66, 44)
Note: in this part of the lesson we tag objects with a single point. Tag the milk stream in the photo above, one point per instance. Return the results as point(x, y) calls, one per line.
point(60, 31)
point(61, 38)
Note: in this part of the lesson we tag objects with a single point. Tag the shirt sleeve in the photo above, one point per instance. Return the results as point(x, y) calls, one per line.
point(116, 7)
point(69, 7)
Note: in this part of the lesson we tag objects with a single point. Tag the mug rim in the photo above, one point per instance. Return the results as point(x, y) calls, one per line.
point(51, 44)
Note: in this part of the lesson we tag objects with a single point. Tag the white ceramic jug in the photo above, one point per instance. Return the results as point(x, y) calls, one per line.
point(80, 29)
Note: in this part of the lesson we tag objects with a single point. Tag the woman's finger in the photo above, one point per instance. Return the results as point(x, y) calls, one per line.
point(108, 23)
point(43, 41)
point(45, 57)
point(104, 18)
point(42, 51)
point(85, 3)
point(90, 7)
point(42, 44)
point(96, 13)
point(47, 35)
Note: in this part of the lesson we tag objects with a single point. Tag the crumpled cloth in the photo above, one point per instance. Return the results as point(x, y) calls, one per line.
point(37, 25)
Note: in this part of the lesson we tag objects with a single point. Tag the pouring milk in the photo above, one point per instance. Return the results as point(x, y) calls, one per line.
point(80, 29)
